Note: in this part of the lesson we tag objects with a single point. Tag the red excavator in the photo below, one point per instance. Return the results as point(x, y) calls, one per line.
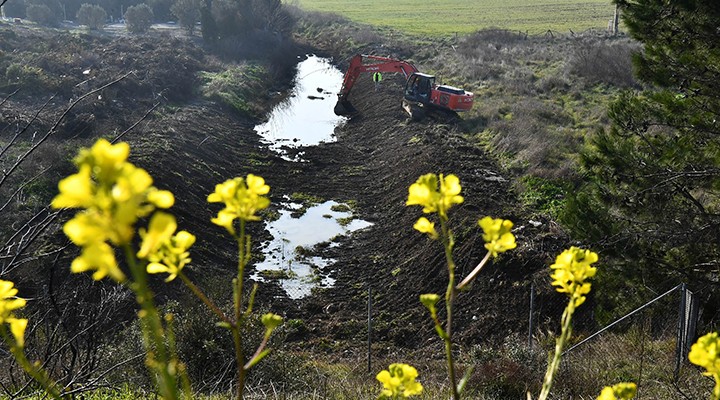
point(421, 93)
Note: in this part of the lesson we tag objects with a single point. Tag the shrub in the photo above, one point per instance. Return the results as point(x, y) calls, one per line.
point(41, 14)
point(187, 13)
point(92, 15)
point(139, 18)
point(25, 76)
point(234, 87)
point(604, 62)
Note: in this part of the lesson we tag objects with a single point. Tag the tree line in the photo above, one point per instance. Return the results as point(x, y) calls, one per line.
point(218, 19)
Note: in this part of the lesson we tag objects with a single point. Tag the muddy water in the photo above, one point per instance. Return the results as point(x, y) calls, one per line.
point(286, 254)
point(306, 117)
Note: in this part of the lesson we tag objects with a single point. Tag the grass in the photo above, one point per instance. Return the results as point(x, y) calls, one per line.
point(236, 87)
point(449, 17)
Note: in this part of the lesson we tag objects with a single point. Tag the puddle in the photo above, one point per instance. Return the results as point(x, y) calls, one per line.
point(285, 256)
point(306, 117)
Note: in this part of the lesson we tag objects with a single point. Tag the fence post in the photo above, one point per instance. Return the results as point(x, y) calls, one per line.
point(680, 339)
point(369, 328)
point(532, 311)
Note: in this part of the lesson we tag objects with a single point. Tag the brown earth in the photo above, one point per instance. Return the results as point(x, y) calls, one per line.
point(189, 144)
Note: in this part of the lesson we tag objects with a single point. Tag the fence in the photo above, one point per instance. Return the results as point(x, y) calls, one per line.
point(648, 345)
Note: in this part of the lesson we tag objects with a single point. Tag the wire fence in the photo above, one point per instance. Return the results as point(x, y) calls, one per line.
point(648, 345)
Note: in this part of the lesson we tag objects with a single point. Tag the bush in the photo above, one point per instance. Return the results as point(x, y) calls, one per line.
point(139, 18)
point(187, 13)
point(24, 75)
point(41, 14)
point(601, 62)
point(92, 15)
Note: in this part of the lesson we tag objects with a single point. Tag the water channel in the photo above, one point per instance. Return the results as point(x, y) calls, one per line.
point(305, 118)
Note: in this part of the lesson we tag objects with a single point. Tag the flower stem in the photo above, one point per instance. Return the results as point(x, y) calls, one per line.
point(238, 292)
point(559, 345)
point(35, 371)
point(152, 328)
point(448, 243)
point(200, 295)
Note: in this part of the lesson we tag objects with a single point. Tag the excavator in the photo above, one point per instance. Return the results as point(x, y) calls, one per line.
point(421, 95)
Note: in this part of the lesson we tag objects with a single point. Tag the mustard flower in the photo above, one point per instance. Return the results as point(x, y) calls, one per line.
point(497, 235)
point(242, 197)
point(429, 300)
point(166, 253)
point(399, 382)
point(706, 353)
point(435, 193)
point(9, 303)
point(570, 272)
point(423, 225)
point(270, 321)
point(621, 391)
point(113, 194)
point(98, 257)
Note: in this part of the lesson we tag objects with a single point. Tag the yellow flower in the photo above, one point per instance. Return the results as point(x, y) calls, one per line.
point(8, 304)
point(107, 159)
point(113, 194)
point(429, 300)
point(423, 225)
point(450, 191)
point(425, 192)
point(86, 228)
point(17, 328)
point(621, 391)
point(166, 253)
point(271, 321)
point(571, 269)
point(242, 197)
point(98, 257)
point(706, 353)
point(399, 382)
point(76, 190)
point(497, 235)
point(161, 228)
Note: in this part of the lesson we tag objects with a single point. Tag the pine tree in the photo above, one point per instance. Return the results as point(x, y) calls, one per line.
point(652, 197)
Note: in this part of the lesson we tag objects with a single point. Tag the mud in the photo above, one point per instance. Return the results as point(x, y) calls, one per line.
point(189, 145)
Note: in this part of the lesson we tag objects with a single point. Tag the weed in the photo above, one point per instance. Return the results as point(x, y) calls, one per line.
point(340, 208)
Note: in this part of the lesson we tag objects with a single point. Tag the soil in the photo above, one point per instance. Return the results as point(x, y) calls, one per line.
point(190, 144)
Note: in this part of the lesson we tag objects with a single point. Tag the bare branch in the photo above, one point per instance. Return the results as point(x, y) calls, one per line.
point(21, 187)
point(57, 122)
point(21, 131)
point(136, 123)
point(11, 94)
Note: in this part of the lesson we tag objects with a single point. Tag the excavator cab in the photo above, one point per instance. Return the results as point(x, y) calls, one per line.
point(418, 87)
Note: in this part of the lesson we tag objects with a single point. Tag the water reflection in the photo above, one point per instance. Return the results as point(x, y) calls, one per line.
point(306, 117)
point(286, 254)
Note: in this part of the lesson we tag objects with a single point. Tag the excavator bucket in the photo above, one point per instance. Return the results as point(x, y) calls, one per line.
point(344, 107)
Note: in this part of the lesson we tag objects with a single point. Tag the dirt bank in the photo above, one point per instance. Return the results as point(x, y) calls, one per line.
point(190, 144)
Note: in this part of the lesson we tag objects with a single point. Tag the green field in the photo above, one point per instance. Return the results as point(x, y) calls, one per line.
point(446, 17)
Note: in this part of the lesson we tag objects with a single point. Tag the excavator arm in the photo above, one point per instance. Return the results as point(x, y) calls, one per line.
point(357, 67)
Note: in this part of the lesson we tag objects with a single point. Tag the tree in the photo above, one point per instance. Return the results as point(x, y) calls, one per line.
point(41, 14)
point(139, 18)
point(45, 12)
point(652, 196)
point(91, 15)
point(187, 13)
